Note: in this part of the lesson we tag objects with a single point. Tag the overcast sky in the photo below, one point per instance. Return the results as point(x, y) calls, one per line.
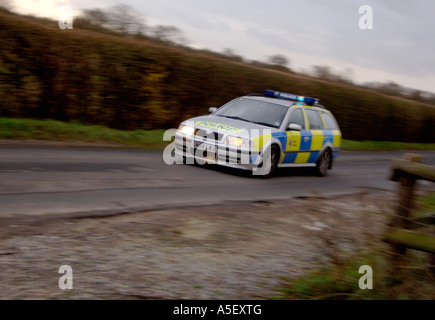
point(400, 47)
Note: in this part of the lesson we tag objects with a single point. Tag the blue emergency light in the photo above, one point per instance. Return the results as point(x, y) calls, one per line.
point(289, 96)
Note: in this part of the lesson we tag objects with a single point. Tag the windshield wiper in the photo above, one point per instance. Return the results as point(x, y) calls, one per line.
point(263, 124)
point(234, 117)
point(256, 122)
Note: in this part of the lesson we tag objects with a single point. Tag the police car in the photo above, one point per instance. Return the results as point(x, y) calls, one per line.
point(262, 132)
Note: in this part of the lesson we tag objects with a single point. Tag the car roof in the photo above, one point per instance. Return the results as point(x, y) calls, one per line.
point(284, 102)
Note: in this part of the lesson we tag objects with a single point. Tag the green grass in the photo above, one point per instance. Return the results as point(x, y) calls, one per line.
point(384, 146)
point(425, 206)
point(340, 281)
point(409, 278)
point(332, 282)
point(51, 130)
point(428, 203)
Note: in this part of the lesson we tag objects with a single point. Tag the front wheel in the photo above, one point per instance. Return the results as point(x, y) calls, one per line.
point(324, 163)
point(270, 162)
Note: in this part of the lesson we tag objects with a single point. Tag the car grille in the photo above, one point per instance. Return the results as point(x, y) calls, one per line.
point(226, 156)
point(208, 136)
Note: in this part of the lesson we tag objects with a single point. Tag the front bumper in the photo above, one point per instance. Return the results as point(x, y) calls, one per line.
point(215, 152)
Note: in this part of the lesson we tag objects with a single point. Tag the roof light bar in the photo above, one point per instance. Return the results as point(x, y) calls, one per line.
point(289, 96)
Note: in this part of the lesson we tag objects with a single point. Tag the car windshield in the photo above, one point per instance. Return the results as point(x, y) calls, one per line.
point(260, 112)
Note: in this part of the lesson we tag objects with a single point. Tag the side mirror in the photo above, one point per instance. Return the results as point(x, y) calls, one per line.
point(211, 110)
point(294, 127)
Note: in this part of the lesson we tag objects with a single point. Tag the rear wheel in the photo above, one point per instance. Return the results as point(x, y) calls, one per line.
point(324, 163)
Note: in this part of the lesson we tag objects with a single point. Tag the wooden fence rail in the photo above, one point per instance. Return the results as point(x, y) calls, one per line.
point(401, 234)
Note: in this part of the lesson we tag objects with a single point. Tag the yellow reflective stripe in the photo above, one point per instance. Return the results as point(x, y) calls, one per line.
point(307, 124)
point(323, 119)
point(260, 141)
point(293, 141)
point(316, 140)
point(337, 139)
point(218, 126)
point(302, 157)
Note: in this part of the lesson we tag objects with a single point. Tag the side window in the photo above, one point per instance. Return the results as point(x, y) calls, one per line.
point(329, 121)
point(314, 120)
point(297, 117)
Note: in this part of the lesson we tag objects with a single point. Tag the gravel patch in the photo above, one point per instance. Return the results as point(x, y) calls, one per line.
point(203, 252)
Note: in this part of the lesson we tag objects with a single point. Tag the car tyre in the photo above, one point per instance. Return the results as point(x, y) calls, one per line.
point(324, 163)
point(268, 166)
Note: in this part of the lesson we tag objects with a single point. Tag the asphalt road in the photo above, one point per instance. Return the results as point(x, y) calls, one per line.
point(40, 180)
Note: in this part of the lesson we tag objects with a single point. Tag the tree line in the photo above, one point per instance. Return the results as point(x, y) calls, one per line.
point(130, 83)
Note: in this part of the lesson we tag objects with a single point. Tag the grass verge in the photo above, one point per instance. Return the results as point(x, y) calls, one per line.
point(340, 281)
point(408, 278)
point(51, 130)
point(385, 146)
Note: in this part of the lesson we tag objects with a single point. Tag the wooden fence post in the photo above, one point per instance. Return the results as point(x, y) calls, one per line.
point(404, 207)
point(407, 171)
point(406, 201)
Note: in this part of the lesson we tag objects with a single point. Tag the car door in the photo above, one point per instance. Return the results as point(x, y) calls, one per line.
point(295, 139)
point(313, 137)
point(332, 132)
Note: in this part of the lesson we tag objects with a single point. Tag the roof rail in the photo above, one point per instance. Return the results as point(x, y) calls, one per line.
point(290, 96)
point(319, 106)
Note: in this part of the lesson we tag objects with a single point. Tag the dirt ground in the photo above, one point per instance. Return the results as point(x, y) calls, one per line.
point(228, 251)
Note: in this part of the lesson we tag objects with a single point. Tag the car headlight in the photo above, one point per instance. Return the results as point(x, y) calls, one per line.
point(239, 142)
point(187, 130)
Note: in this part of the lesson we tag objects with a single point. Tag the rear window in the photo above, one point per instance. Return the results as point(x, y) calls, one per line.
point(314, 120)
point(329, 121)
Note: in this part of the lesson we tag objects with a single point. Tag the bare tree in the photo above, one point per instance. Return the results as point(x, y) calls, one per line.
point(416, 95)
point(347, 76)
point(5, 4)
point(124, 19)
point(279, 60)
point(323, 72)
point(97, 17)
point(391, 88)
point(169, 34)
point(119, 18)
point(326, 73)
point(92, 19)
point(231, 54)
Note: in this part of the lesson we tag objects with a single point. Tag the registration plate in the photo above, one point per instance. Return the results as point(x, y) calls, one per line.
point(205, 146)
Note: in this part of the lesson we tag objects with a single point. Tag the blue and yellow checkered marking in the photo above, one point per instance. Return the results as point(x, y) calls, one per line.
point(304, 146)
point(301, 147)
